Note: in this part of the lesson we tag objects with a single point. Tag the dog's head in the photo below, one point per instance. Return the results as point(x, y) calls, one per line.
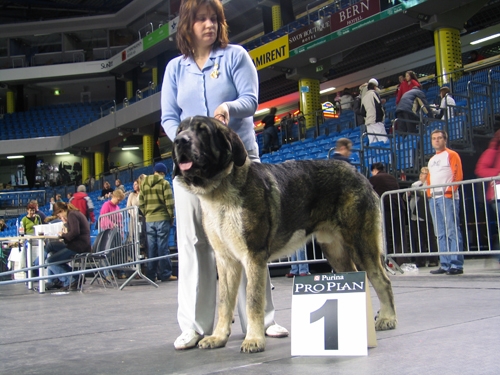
point(203, 148)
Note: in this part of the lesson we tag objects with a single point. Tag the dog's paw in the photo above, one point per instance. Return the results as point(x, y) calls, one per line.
point(253, 345)
point(212, 342)
point(384, 324)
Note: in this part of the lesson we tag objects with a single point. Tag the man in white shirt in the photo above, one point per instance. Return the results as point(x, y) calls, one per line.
point(446, 106)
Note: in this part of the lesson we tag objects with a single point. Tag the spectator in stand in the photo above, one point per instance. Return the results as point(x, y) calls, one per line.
point(119, 185)
point(68, 196)
point(447, 104)
point(346, 100)
point(38, 212)
point(270, 133)
point(110, 206)
point(488, 165)
point(343, 150)
point(83, 202)
point(364, 87)
point(90, 182)
point(31, 219)
point(445, 167)
point(371, 107)
point(408, 110)
point(409, 82)
point(401, 79)
point(3, 226)
point(475, 56)
point(394, 218)
point(106, 191)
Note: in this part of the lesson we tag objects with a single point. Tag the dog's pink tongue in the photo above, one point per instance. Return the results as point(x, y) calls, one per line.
point(185, 166)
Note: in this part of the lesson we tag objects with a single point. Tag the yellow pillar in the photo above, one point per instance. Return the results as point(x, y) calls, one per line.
point(147, 149)
point(85, 167)
point(310, 104)
point(99, 163)
point(448, 54)
point(10, 102)
point(276, 14)
point(154, 76)
point(130, 89)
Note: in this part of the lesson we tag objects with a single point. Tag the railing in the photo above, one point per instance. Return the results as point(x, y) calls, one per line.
point(410, 230)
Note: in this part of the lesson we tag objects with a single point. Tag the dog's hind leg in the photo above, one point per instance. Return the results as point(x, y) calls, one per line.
point(255, 340)
point(377, 275)
point(229, 270)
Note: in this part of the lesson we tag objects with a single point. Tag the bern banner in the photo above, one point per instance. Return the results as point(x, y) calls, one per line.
point(354, 14)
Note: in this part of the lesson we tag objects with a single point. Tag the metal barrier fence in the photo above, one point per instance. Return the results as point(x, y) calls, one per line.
point(411, 230)
point(125, 245)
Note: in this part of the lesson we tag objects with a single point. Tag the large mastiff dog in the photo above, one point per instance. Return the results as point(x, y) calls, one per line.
point(255, 212)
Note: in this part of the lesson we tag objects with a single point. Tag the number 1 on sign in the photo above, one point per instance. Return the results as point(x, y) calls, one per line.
point(329, 311)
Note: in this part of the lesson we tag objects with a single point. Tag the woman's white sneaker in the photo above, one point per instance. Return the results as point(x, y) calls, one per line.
point(187, 340)
point(276, 331)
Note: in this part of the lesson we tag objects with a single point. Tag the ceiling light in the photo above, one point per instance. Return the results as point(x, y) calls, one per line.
point(326, 90)
point(261, 111)
point(57, 92)
point(15, 157)
point(62, 153)
point(129, 148)
point(485, 39)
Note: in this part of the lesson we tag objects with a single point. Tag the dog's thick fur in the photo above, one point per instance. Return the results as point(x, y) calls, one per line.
point(254, 212)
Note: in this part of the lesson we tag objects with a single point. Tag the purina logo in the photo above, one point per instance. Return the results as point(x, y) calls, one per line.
point(317, 278)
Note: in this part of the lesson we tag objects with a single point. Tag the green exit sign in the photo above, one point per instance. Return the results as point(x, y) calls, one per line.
point(319, 68)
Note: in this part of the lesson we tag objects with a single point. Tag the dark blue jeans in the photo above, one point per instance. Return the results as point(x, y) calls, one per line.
point(157, 233)
point(58, 252)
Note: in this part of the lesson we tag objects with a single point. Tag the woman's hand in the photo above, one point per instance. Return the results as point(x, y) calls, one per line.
point(222, 113)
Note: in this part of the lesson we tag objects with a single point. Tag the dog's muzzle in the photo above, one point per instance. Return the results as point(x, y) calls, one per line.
point(182, 144)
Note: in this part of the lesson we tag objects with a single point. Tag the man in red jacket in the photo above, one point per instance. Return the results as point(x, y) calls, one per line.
point(83, 202)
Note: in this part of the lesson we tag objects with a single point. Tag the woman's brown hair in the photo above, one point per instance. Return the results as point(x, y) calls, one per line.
point(187, 15)
point(61, 206)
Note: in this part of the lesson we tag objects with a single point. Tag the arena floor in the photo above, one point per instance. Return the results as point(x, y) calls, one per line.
point(447, 325)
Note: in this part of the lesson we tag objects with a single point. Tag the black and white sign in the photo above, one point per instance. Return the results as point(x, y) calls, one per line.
point(329, 315)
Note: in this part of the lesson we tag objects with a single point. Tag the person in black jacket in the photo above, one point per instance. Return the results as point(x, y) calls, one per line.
point(393, 217)
point(408, 110)
point(74, 239)
point(270, 134)
point(343, 150)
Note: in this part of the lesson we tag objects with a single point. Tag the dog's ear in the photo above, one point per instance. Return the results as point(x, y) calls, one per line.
point(238, 151)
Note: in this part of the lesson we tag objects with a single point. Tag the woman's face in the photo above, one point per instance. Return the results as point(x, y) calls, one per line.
point(205, 27)
point(408, 77)
point(63, 215)
point(136, 187)
point(115, 200)
point(31, 212)
point(106, 185)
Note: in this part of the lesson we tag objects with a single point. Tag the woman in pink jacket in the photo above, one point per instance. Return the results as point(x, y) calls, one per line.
point(488, 165)
point(410, 82)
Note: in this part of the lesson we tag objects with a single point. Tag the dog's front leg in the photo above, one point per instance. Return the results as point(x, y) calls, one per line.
point(255, 340)
point(229, 271)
